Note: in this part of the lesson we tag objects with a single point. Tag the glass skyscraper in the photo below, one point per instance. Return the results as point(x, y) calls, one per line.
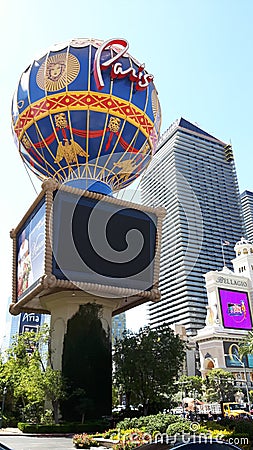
point(118, 327)
point(247, 209)
point(193, 176)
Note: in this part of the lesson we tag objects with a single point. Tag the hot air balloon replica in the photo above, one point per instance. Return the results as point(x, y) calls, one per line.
point(87, 113)
point(86, 120)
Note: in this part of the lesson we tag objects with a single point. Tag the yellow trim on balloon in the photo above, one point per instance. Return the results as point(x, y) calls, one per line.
point(78, 101)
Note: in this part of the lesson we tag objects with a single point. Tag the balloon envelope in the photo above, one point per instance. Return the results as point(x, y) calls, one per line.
point(87, 111)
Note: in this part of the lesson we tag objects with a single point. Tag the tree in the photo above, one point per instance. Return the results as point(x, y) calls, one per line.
point(87, 366)
point(219, 385)
point(246, 347)
point(188, 385)
point(146, 365)
point(124, 357)
point(28, 377)
point(54, 387)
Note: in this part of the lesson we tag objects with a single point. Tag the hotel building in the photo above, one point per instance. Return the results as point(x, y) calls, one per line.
point(193, 176)
point(247, 210)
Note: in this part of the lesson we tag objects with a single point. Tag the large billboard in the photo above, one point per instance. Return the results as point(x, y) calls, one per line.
point(232, 355)
point(102, 242)
point(235, 309)
point(80, 240)
point(31, 250)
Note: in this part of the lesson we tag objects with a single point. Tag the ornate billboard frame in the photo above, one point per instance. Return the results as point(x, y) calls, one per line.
point(48, 283)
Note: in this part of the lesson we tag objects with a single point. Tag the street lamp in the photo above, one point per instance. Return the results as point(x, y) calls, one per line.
point(2, 407)
point(245, 374)
point(224, 383)
point(182, 392)
point(195, 393)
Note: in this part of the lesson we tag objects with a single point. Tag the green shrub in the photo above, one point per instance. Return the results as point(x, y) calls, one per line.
point(227, 423)
point(47, 417)
point(128, 423)
point(244, 427)
point(150, 424)
point(181, 427)
point(214, 425)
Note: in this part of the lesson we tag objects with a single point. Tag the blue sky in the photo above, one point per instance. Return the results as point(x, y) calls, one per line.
point(199, 51)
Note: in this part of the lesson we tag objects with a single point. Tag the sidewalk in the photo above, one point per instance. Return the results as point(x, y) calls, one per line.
point(16, 432)
point(10, 431)
point(105, 444)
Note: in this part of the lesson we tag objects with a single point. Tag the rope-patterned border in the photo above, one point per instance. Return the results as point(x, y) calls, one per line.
point(49, 284)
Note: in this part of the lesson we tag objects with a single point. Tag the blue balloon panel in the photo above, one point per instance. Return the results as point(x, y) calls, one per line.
point(87, 110)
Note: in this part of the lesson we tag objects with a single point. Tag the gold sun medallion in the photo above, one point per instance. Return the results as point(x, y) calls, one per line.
point(57, 72)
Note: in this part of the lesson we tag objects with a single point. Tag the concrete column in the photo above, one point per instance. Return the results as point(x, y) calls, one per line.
point(63, 306)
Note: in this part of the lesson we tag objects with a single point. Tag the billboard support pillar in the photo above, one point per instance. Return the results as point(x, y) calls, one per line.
point(63, 306)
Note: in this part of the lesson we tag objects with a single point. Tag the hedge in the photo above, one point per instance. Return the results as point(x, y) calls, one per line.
point(70, 428)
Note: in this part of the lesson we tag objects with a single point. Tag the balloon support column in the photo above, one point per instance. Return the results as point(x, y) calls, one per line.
point(81, 349)
point(63, 306)
point(68, 271)
point(86, 119)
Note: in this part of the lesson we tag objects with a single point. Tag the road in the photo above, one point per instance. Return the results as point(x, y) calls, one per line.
point(37, 443)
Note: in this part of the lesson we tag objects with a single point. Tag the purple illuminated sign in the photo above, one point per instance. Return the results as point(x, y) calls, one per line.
point(235, 309)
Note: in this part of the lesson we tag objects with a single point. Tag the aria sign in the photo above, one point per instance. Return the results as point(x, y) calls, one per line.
point(141, 78)
point(29, 322)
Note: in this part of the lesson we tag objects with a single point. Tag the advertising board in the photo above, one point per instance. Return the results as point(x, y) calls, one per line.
point(71, 239)
point(232, 355)
point(235, 309)
point(102, 242)
point(31, 250)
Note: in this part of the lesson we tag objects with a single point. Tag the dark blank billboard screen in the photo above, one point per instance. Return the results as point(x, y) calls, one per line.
point(101, 242)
